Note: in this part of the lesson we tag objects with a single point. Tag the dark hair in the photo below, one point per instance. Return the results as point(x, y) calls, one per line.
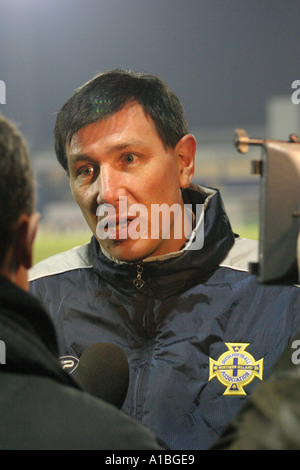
point(108, 93)
point(17, 184)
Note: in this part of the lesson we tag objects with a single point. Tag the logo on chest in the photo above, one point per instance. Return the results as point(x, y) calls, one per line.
point(69, 363)
point(235, 369)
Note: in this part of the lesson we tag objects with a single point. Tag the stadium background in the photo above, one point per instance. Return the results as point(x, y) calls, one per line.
point(231, 62)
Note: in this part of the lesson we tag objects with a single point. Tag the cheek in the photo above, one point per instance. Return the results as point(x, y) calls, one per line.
point(84, 198)
point(162, 190)
point(160, 182)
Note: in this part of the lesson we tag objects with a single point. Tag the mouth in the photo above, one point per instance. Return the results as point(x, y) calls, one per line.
point(114, 228)
point(121, 223)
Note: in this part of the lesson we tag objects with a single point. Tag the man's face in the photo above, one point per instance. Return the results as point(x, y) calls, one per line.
point(122, 158)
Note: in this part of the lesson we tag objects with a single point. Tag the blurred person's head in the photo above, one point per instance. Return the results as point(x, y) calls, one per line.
point(18, 219)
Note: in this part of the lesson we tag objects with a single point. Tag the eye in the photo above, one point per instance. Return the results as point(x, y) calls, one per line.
point(85, 171)
point(129, 158)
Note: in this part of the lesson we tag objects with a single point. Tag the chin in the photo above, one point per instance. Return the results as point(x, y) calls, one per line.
point(130, 252)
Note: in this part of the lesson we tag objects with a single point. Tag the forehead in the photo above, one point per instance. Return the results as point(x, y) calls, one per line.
point(131, 123)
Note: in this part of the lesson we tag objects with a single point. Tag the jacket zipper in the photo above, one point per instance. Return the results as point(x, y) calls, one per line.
point(143, 368)
point(138, 281)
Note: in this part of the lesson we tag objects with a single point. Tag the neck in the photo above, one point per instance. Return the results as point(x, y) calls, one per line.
point(18, 277)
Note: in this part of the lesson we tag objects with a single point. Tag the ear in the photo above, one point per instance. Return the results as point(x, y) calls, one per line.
point(25, 234)
point(186, 151)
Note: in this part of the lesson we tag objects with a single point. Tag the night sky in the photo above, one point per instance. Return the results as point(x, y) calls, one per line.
point(223, 58)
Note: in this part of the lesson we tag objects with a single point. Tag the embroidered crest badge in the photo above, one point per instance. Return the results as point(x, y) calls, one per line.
point(236, 368)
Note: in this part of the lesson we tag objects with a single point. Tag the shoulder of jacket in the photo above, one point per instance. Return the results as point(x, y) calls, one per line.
point(243, 252)
point(75, 258)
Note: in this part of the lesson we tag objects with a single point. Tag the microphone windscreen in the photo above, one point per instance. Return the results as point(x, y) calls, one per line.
point(103, 371)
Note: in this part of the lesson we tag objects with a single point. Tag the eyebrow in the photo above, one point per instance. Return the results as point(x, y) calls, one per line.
point(74, 158)
point(123, 146)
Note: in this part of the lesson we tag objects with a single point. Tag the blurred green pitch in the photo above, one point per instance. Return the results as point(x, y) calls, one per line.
point(48, 244)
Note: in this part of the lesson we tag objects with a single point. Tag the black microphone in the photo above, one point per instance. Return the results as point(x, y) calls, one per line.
point(103, 371)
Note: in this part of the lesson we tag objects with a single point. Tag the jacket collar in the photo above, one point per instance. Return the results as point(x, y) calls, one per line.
point(29, 335)
point(176, 270)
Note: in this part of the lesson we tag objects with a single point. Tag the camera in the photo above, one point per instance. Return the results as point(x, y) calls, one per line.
point(279, 206)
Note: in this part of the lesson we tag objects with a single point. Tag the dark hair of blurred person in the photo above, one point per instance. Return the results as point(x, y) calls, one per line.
point(41, 406)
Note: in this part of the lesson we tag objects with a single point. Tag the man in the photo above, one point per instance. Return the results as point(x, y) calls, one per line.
point(197, 329)
point(41, 406)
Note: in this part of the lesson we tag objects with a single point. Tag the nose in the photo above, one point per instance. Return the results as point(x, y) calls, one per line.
point(110, 185)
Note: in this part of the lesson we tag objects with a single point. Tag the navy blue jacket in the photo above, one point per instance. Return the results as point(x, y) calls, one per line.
point(42, 407)
point(199, 335)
